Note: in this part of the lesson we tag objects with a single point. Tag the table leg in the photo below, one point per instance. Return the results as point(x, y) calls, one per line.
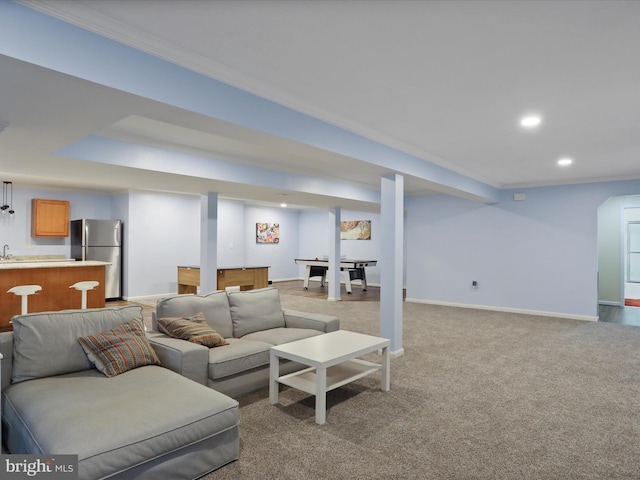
point(274, 373)
point(364, 280)
point(385, 383)
point(306, 277)
point(347, 279)
point(321, 395)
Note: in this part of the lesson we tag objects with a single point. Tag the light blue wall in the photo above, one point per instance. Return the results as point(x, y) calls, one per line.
point(280, 257)
point(231, 236)
point(538, 255)
point(15, 231)
point(163, 231)
point(314, 240)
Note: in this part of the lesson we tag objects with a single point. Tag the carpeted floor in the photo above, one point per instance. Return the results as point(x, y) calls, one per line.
point(477, 395)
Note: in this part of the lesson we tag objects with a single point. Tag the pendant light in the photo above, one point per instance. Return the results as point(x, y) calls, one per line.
point(7, 198)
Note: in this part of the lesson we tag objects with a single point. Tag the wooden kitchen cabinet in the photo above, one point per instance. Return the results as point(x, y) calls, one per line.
point(49, 218)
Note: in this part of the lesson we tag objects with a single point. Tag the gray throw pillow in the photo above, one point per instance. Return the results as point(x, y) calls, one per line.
point(214, 306)
point(255, 310)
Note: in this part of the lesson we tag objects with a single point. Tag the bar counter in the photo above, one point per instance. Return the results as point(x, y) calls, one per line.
point(54, 277)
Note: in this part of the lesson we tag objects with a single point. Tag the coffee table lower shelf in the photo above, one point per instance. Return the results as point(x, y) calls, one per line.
point(337, 376)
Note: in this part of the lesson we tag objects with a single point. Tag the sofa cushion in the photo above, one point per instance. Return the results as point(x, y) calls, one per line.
point(239, 356)
point(46, 344)
point(114, 424)
point(193, 329)
point(254, 310)
point(214, 306)
point(278, 336)
point(120, 349)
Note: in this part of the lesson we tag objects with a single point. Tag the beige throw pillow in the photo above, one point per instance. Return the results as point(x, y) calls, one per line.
point(193, 329)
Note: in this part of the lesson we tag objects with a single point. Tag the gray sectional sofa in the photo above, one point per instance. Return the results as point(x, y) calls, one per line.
point(251, 322)
point(162, 407)
point(145, 423)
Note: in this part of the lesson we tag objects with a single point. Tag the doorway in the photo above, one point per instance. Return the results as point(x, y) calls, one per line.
point(632, 257)
point(615, 268)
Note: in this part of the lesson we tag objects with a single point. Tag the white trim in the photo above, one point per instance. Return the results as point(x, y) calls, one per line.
point(523, 311)
point(396, 353)
point(609, 303)
point(285, 279)
point(148, 297)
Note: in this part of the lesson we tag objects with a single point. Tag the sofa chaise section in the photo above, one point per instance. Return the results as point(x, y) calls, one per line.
point(148, 422)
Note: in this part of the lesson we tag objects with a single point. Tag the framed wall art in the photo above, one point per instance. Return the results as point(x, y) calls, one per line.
point(355, 230)
point(267, 232)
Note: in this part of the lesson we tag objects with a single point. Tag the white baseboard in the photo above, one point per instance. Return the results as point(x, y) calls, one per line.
point(609, 304)
point(149, 297)
point(285, 280)
point(587, 318)
point(396, 353)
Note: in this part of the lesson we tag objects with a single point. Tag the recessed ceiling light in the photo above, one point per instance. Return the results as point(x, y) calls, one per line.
point(563, 162)
point(530, 121)
point(283, 205)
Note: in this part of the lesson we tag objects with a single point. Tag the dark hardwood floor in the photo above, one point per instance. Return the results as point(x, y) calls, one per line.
point(295, 287)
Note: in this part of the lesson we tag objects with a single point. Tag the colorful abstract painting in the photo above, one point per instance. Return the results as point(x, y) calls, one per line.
point(355, 230)
point(267, 233)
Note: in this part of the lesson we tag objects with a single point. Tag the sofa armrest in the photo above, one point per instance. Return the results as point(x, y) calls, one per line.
point(188, 359)
point(315, 321)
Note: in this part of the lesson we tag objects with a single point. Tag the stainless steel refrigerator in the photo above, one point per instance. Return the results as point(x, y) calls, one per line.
point(100, 240)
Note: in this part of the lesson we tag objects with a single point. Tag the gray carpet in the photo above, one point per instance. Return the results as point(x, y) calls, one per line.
point(477, 395)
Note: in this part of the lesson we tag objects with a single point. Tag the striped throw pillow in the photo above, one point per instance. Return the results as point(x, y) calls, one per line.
point(193, 329)
point(120, 349)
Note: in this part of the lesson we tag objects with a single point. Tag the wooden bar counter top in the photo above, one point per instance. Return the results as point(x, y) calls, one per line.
point(54, 277)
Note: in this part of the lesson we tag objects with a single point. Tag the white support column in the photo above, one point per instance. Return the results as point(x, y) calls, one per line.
point(208, 242)
point(333, 275)
point(391, 261)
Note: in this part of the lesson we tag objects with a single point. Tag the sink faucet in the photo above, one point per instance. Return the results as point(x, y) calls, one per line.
point(4, 251)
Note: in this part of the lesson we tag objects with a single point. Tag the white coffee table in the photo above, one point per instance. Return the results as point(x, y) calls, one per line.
point(332, 360)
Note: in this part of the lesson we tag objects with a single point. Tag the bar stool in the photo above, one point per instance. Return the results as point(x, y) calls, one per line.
point(24, 291)
point(84, 286)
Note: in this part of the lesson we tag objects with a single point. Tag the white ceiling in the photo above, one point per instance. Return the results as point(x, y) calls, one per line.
point(445, 81)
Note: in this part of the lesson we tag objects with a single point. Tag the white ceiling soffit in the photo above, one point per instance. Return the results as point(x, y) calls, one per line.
point(445, 81)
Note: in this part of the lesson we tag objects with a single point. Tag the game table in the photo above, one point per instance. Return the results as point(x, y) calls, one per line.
point(354, 270)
